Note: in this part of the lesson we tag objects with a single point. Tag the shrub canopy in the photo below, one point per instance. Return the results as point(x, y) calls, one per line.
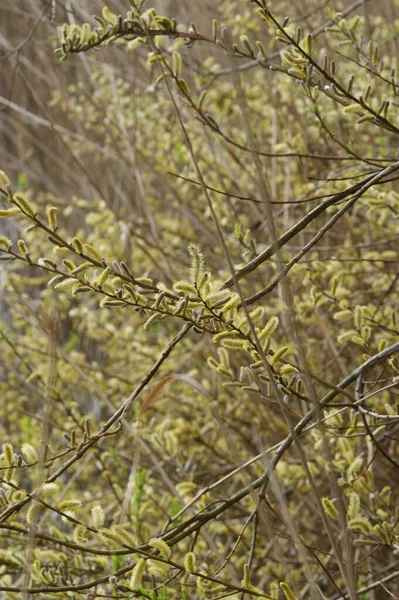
point(199, 330)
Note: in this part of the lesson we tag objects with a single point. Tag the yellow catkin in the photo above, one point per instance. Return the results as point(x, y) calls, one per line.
point(4, 179)
point(5, 242)
point(9, 212)
point(80, 534)
point(287, 591)
point(137, 574)
point(52, 217)
point(8, 452)
point(330, 508)
point(189, 562)
point(162, 546)
point(98, 516)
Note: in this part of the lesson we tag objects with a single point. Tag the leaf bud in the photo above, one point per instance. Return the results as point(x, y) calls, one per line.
point(308, 43)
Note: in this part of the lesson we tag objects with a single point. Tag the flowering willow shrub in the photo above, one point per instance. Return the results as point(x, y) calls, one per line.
point(199, 384)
